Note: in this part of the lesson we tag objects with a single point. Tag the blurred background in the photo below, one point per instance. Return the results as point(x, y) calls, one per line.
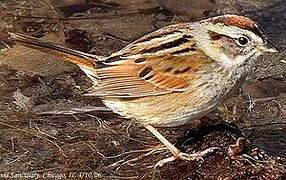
point(48, 127)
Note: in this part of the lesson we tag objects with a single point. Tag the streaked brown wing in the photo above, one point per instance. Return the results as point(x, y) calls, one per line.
point(155, 77)
point(159, 63)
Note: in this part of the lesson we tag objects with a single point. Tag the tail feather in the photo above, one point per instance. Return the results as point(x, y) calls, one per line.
point(79, 58)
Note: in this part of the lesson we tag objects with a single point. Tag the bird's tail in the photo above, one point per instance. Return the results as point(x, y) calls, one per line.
point(83, 60)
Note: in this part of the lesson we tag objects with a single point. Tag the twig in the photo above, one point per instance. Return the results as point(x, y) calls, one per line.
point(261, 100)
point(94, 148)
point(115, 37)
point(133, 151)
point(17, 158)
point(101, 122)
point(123, 162)
point(73, 111)
point(41, 137)
point(5, 44)
point(112, 16)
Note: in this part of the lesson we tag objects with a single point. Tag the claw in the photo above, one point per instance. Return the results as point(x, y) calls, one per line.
point(176, 152)
point(198, 156)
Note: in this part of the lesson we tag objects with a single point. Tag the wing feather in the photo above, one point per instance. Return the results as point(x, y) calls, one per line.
point(156, 76)
point(159, 63)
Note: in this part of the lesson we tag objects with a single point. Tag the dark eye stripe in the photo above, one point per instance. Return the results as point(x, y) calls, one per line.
point(216, 36)
point(258, 32)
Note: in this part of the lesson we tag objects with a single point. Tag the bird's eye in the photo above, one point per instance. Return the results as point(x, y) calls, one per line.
point(243, 40)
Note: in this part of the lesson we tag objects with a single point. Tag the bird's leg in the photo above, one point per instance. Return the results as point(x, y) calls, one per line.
point(177, 154)
point(175, 151)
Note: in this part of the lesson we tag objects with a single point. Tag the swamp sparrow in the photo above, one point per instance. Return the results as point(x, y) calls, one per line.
point(172, 76)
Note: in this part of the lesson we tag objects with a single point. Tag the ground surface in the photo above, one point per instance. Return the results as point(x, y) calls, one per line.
point(48, 129)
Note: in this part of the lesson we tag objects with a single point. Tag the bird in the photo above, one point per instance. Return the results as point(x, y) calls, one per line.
point(172, 76)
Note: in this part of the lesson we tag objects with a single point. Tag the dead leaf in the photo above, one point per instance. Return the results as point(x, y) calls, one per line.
point(22, 101)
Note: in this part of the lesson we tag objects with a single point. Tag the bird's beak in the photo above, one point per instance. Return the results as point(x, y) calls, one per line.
point(268, 47)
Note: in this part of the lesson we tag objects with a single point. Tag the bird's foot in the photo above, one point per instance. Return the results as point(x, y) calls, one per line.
point(198, 156)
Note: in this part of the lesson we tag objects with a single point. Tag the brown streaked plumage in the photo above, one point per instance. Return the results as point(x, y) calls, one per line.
point(238, 21)
point(172, 76)
point(241, 22)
